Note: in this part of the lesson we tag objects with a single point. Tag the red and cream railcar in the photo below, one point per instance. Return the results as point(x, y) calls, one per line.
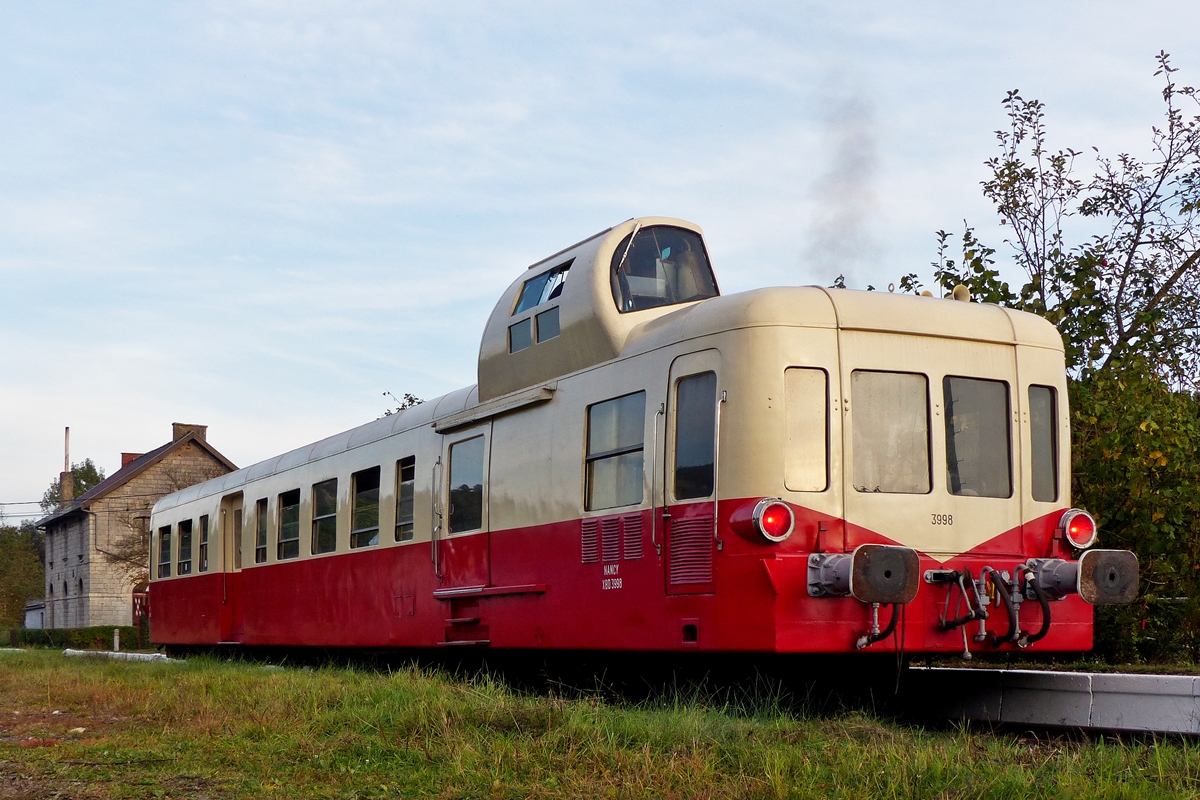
point(646, 464)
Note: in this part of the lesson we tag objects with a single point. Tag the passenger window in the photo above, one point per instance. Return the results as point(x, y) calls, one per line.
point(406, 480)
point(660, 266)
point(237, 537)
point(520, 336)
point(614, 463)
point(260, 531)
point(891, 432)
point(324, 524)
point(466, 485)
point(547, 324)
point(185, 547)
point(289, 524)
point(1043, 436)
point(695, 435)
point(164, 552)
point(364, 525)
point(203, 555)
point(978, 448)
point(543, 288)
point(806, 415)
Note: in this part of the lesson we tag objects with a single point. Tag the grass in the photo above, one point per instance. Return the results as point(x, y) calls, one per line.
point(220, 729)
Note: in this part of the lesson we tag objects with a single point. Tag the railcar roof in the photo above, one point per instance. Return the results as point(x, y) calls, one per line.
point(803, 306)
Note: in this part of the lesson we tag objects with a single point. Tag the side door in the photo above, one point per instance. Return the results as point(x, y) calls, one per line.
point(690, 482)
point(232, 626)
point(460, 538)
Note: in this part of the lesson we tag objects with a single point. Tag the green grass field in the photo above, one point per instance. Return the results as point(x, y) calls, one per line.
point(85, 728)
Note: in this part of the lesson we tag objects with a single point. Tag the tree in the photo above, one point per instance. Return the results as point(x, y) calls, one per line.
point(1114, 262)
point(409, 401)
point(1127, 297)
point(85, 475)
point(22, 576)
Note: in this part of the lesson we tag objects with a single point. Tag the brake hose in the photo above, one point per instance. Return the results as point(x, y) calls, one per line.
point(1031, 579)
point(872, 638)
point(1014, 631)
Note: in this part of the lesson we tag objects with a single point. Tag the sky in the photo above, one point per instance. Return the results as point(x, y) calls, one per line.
point(262, 216)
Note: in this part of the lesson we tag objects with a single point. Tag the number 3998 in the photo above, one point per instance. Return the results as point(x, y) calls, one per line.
point(942, 519)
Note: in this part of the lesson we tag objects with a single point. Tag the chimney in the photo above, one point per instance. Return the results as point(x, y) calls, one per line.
point(127, 457)
point(180, 430)
point(66, 479)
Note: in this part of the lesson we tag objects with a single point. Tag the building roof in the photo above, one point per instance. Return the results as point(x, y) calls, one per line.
point(128, 472)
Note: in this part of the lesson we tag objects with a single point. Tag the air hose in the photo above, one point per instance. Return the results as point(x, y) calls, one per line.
point(1031, 579)
point(1014, 629)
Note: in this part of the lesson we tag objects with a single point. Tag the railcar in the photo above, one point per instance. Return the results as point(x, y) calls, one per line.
point(646, 464)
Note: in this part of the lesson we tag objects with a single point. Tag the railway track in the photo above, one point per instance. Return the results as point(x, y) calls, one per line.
point(1168, 704)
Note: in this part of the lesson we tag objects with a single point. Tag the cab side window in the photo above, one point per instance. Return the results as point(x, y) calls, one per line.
point(616, 431)
point(466, 485)
point(1043, 436)
point(695, 435)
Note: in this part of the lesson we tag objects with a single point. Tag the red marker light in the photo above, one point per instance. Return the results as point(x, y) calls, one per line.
point(1078, 528)
point(774, 519)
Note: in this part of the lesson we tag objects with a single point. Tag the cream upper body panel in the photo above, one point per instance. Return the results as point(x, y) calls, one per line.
point(539, 397)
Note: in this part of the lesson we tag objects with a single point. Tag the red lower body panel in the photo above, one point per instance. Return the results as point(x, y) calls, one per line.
point(612, 584)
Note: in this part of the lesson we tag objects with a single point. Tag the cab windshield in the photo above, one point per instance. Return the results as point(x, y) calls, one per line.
point(660, 266)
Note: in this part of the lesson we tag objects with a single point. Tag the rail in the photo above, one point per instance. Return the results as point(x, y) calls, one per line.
point(1098, 701)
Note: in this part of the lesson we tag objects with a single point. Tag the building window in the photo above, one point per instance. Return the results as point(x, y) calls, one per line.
point(406, 480)
point(615, 438)
point(324, 524)
point(547, 324)
point(891, 432)
point(289, 525)
point(806, 415)
point(185, 547)
point(466, 485)
point(164, 553)
point(1043, 439)
point(81, 585)
point(661, 266)
point(203, 555)
point(364, 517)
point(978, 443)
point(543, 288)
point(695, 436)
point(260, 531)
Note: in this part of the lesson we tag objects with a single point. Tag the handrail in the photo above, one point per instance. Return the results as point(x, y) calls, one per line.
point(437, 513)
point(662, 412)
point(717, 473)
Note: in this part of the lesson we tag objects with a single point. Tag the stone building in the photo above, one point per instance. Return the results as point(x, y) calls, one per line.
point(83, 587)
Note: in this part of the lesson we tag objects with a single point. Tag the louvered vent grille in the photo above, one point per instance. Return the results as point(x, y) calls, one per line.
point(591, 543)
point(631, 536)
point(691, 551)
point(610, 536)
